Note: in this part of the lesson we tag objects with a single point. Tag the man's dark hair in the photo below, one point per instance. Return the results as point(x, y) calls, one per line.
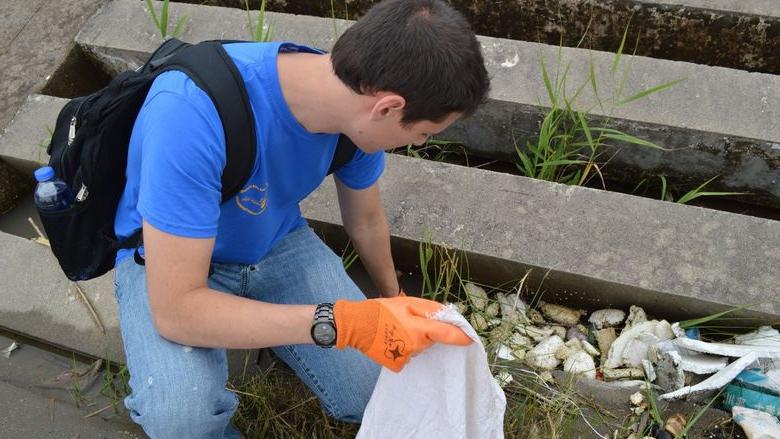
point(424, 50)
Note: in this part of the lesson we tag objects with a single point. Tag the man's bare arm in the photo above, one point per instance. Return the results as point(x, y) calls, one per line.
point(186, 311)
point(365, 222)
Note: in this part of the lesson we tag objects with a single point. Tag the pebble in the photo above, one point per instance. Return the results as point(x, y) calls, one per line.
point(535, 317)
point(607, 318)
point(512, 307)
point(477, 296)
point(628, 373)
point(478, 321)
point(560, 314)
point(580, 363)
point(574, 332)
point(542, 356)
point(675, 424)
point(592, 351)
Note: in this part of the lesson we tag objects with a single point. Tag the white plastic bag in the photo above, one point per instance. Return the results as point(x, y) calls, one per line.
point(445, 392)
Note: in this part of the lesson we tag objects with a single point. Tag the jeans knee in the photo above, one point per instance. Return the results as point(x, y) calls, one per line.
point(183, 410)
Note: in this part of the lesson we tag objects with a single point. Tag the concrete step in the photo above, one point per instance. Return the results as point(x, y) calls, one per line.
point(736, 34)
point(598, 248)
point(36, 405)
point(35, 39)
point(720, 122)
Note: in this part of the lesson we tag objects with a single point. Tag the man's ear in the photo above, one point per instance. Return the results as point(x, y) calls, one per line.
point(387, 105)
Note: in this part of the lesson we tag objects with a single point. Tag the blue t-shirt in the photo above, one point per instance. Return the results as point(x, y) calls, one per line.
point(177, 154)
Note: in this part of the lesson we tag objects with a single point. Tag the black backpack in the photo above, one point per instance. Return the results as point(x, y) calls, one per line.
point(88, 150)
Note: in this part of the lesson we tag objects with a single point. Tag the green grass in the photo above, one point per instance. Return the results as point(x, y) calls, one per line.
point(161, 22)
point(258, 31)
point(698, 192)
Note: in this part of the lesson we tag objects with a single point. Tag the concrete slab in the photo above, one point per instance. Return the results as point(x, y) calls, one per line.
point(38, 300)
point(36, 405)
point(609, 248)
point(719, 121)
point(727, 33)
point(36, 37)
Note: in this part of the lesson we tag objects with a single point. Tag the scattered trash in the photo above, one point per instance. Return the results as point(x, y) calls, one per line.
point(675, 425)
point(756, 424)
point(637, 398)
point(728, 350)
point(605, 318)
point(754, 389)
point(763, 336)
point(504, 378)
point(604, 339)
point(10, 348)
point(717, 381)
point(669, 372)
point(636, 315)
point(631, 347)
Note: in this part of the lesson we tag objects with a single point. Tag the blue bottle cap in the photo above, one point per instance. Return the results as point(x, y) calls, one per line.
point(45, 173)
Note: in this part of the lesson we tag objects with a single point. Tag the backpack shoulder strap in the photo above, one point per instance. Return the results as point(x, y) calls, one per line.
point(210, 67)
point(345, 150)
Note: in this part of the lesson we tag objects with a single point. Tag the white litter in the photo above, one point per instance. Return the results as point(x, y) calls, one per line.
point(756, 424)
point(631, 347)
point(763, 336)
point(717, 381)
point(444, 392)
point(728, 350)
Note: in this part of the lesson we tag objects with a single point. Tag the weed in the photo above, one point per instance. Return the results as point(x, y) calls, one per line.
point(567, 149)
point(349, 255)
point(666, 193)
point(440, 267)
point(696, 193)
point(275, 403)
point(259, 31)
point(162, 22)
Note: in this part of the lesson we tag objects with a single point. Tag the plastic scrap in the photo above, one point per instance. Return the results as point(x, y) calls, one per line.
point(728, 350)
point(10, 348)
point(754, 389)
point(720, 379)
point(756, 424)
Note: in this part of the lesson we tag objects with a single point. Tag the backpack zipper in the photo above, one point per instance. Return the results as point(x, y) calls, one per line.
point(83, 192)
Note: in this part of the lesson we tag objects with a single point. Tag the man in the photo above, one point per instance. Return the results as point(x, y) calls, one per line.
point(404, 72)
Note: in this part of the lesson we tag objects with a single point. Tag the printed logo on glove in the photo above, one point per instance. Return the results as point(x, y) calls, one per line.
point(391, 331)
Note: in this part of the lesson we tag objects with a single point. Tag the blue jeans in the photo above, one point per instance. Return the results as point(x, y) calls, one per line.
point(179, 391)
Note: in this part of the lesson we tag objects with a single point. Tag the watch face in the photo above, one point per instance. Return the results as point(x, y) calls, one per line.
point(324, 333)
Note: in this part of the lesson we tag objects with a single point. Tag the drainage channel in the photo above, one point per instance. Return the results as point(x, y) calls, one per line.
point(745, 37)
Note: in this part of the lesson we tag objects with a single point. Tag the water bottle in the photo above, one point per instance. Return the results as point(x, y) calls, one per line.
point(51, 194)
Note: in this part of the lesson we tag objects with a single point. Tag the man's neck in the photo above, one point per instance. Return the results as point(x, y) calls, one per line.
point(317, 98)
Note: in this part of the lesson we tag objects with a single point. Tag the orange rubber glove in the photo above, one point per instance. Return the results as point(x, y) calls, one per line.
point(390, 331)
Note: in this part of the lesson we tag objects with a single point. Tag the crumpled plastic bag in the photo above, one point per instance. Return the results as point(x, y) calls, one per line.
point(444, 392)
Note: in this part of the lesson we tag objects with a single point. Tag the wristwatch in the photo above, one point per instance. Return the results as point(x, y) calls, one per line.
point(323, 328)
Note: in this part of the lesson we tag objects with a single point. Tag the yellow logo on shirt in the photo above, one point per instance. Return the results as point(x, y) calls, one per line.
point(252, 199)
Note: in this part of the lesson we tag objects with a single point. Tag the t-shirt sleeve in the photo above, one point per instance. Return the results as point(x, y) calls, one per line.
point(363, 170)
point(182, 158)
